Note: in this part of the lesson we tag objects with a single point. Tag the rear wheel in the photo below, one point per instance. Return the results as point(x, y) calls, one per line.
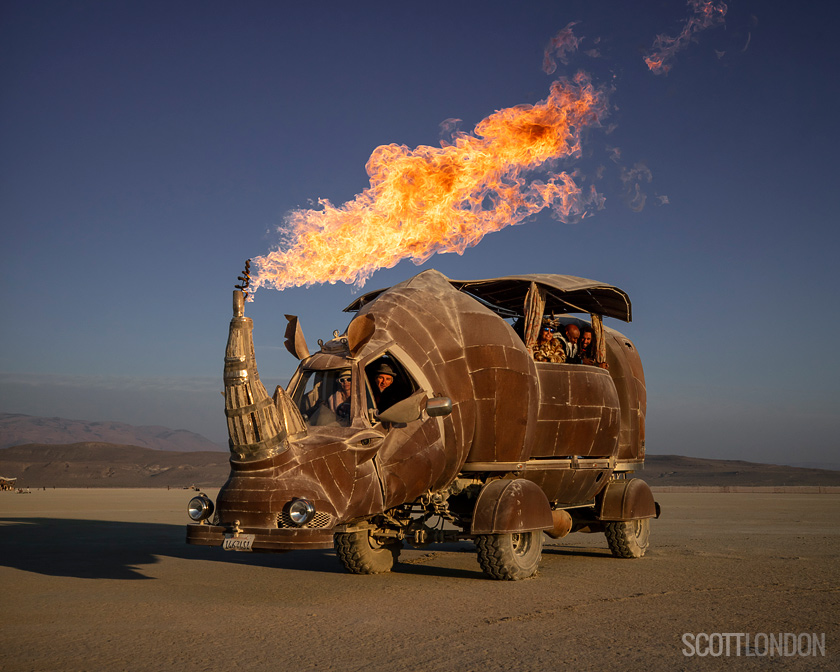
point(510, 557)
point(629, 538)
point(360, 553)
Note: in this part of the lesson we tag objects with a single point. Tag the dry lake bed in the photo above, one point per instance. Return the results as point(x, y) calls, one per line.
point(102, 580)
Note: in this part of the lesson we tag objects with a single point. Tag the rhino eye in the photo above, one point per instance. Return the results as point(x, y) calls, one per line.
point(365, 442)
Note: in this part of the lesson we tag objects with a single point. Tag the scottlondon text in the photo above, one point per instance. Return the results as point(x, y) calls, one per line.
point(757, 644)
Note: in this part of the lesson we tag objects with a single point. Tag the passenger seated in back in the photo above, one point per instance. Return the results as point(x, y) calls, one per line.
point(586, 346)
point(570, 342)
point(549, 348)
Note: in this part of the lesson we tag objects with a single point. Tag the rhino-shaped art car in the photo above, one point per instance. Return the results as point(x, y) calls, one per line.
point(472, 432)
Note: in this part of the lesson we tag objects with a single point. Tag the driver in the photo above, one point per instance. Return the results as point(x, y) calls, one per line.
point(339, 401)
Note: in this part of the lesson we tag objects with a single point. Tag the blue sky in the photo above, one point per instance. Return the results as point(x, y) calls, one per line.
point(149, 148)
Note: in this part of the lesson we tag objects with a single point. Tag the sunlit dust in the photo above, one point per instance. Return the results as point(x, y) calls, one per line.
point(431, 200)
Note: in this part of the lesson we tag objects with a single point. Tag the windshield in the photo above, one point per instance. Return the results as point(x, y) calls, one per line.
point(323, 397)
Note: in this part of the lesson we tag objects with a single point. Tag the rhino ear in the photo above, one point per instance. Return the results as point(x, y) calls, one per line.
point(295, 342)
point(359, 332)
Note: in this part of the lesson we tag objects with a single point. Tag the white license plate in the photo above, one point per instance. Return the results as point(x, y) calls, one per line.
point(241, 543)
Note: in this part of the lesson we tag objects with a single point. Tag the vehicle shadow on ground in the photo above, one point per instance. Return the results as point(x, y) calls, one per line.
point(97, 549)
point(430, 563)
point(577, 552)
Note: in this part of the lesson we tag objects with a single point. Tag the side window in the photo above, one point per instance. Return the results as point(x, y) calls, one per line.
point(388, 382)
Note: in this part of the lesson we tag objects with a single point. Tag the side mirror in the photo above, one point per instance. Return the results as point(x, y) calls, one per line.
point(437, 407)
point(410, 409)
point(405, 411)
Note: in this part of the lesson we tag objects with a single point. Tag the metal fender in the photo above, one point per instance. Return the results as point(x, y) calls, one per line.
point(511, 505)
point(626, 500)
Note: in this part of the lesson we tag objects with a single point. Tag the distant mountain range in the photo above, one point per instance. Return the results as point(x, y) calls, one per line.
point(94, 464)
point(45, 452)
point(16, 430)
point(678, 470)
point(108, 465)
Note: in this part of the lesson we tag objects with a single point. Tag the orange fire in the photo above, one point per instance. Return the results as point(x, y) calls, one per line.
point(561, 44)
point(706, 14)
point(432, 200)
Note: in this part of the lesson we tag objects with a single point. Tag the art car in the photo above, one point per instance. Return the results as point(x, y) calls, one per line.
point(428, 420)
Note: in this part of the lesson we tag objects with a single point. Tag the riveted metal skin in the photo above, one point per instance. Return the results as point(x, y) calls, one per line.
point(626, 500)
point(511, 505)
point(508, 445)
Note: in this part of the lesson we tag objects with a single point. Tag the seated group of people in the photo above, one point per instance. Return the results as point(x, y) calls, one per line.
point(571, 345)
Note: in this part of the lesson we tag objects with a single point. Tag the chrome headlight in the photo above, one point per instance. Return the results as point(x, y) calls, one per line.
point(200, 507)
point(301, 511)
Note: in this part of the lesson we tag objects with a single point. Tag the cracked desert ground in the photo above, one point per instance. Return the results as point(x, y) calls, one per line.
point(102, 580)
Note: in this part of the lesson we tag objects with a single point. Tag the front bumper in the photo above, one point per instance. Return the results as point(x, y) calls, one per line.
point(265, 539)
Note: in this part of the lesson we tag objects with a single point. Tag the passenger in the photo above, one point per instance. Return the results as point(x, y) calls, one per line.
point(571, 343)
point(587, 346)
point(339, 401)
point(383, 386)
point(549, 348)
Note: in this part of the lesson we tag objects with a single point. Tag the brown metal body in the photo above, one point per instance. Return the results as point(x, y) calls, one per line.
point(511, 505)
point(626, 500)
point(528, 437)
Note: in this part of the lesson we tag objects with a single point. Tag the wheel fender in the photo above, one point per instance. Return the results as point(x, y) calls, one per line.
point(511, 505)
point(626, 500)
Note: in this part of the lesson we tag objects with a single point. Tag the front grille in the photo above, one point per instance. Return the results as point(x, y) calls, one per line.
point(319, 520)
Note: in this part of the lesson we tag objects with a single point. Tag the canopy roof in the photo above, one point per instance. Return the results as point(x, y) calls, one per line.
point(563, 294)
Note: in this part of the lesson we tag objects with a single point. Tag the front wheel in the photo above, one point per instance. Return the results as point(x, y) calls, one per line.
point(629, 538)
point(510, 557)
point(360, 553)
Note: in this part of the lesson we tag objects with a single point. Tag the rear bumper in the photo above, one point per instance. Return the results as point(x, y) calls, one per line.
point(264, 539)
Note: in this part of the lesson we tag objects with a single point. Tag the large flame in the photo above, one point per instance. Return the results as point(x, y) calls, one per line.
point(432, 200)
point(705, 14)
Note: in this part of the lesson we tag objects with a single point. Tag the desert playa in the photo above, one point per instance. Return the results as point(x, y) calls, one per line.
point(101, 579)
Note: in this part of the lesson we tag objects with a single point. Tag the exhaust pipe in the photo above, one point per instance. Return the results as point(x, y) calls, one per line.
point(562, 524)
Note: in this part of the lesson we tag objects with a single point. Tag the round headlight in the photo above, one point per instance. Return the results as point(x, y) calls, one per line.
point(301, 511)
point(200, 508)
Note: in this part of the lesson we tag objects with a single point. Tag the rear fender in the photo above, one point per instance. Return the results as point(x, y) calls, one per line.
point(626, 500)
point(511, 505)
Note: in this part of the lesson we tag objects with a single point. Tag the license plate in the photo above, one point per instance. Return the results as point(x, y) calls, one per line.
point(241, 543)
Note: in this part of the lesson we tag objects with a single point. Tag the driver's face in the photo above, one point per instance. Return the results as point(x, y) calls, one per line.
point(383, 380)
point(345, 382)
point(586, 339)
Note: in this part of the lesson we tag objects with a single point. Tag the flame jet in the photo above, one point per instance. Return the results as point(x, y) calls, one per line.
point(433, 200)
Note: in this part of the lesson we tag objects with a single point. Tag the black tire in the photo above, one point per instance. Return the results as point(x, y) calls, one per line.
point(629, 538)
point(360, 553)
point(510, 557)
